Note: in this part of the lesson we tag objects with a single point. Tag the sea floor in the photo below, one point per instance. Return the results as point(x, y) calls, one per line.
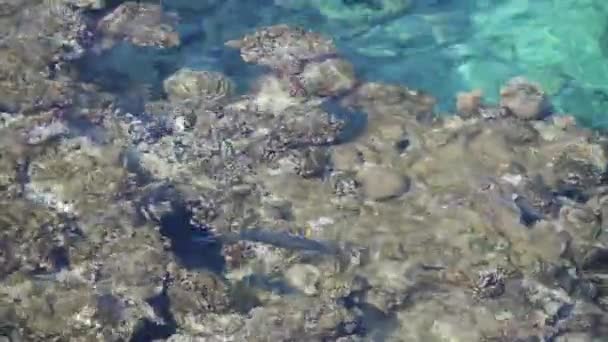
point(316, 170)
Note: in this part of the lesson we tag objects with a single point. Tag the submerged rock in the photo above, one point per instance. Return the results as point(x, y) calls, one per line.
point(141, 24)
point(468, 104)
point(305, 63)
point(300, 126)
point(32, 63)
point(344, 183)
point(76, 176)
point(59, 267)
point(328, 78)
point(298, 319)
point(311, 162)
point(539, 195)
point(187, 84)
point(576, 178)
point(285, 48)
point(386, 99)
point(380, 183)
point(179, 221)
point(524, 99)
point(517, 132)
point(31, 240)
point(195, 294)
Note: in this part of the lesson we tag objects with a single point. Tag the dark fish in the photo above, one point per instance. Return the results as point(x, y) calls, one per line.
point(279, 239)
point(288, 240)
point(529, 214)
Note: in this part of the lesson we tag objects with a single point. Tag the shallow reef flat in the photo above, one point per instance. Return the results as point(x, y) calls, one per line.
point(307, 203)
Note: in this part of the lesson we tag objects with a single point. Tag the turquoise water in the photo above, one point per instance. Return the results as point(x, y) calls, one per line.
point(438, 46)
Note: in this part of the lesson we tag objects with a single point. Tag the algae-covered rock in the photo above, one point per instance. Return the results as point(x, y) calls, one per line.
point(194, 295)
point(523, 99)
point(29, 57)
point(283, 47)
point(329, 77)
point(140, 24)
point(52, 312)
point(299, 318)
point(305, 64)
point(299, 126)
point(469, 103)
point(76, 280)
point(34, 95)
point(310, 162)
point(77, 177)
point(50, 275)
point(381, 183)
point(31, 238)
point(188, 84)
point(346, 157)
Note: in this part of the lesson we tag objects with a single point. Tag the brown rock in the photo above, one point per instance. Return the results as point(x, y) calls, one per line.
point(468, 103)
point(523, 98)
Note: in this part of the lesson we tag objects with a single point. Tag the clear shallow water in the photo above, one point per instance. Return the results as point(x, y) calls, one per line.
point(439, 46)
